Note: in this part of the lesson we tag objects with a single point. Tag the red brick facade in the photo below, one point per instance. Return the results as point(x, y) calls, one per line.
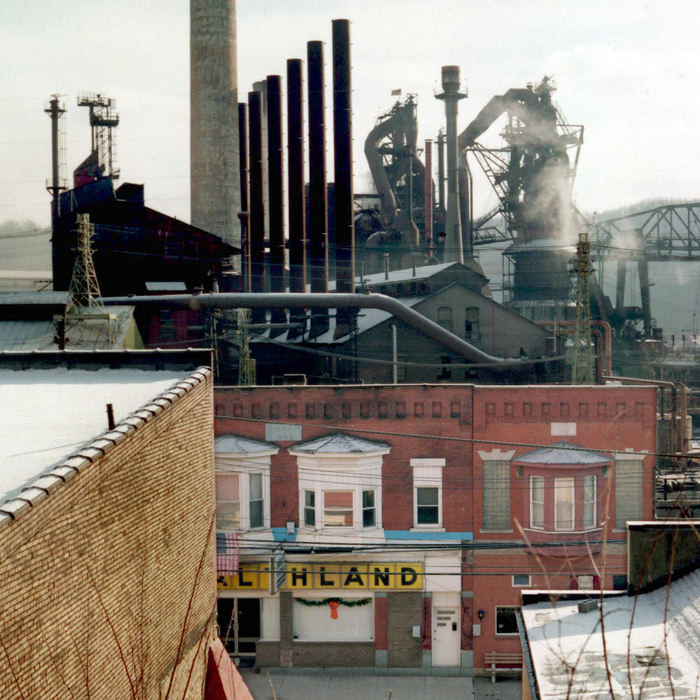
point(459, 427)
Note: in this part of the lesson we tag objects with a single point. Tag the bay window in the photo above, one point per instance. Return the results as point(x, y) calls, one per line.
point(340, 482)
point(242, 477)
point(589, 502)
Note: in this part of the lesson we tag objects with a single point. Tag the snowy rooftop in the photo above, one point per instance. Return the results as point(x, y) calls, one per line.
point(236, 444)
point(339, 443)
point(49, 414)
point(642, 651)
point(562, 452)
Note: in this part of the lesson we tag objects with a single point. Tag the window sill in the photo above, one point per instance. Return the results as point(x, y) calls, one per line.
point(495, 532)
point(427, 528)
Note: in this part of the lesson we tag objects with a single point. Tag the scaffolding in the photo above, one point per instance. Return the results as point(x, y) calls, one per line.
point(102, 120)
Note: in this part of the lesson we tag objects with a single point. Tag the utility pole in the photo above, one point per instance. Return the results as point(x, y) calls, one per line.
point(582, 372)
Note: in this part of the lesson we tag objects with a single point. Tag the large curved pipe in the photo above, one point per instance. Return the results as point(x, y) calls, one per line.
point(327, 301)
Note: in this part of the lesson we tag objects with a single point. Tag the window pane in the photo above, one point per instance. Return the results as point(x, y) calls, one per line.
point(428, 515)
point(564, 503)
point(368, 517)
point(256, 513)
point(309, 508)
point(427, 496)
point(589, 501)
point(255, 487)
point(505, 621)
point(228, 506)
point(337, 508)
point(536, 501)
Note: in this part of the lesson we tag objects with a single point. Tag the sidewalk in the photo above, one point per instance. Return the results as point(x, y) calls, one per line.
point(355, 685)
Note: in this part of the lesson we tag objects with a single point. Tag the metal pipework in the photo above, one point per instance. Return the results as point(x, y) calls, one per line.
point(453, 228)
point(428, 189)
point(326, 301)
point(318, 213)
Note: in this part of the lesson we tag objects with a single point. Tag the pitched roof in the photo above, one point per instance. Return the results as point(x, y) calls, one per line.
point(237, 444)
point(562, 452)
point(339, 443)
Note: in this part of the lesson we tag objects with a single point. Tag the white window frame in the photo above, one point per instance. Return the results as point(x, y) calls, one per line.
point(328, 471)
point(558, 484)
point(527, 584)
point(534, 526)
point(244, 464)
point(427, 473)
point(590, 503)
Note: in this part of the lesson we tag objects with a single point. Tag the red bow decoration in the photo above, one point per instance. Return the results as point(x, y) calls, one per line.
point(333, 604)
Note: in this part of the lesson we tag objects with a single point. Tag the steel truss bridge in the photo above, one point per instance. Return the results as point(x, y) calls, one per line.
point(667, 233)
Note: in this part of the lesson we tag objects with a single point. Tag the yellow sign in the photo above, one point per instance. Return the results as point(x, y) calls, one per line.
point(252, 576)
point(329, 576)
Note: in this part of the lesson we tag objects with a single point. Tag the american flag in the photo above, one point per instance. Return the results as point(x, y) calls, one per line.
point(227, 553)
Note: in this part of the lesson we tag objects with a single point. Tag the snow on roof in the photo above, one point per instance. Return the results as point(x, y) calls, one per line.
point(566, 646)
point(562, 452)
point(238, 444)
point(340, 443)
point(49, 414)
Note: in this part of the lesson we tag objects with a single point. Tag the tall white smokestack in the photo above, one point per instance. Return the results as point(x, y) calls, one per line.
point(214, 153)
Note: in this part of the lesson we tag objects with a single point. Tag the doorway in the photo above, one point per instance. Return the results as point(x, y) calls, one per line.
point(239, 627)
point(446, 629)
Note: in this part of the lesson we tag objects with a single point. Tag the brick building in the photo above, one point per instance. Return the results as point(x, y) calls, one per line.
point(108, 574)
point(396, 526)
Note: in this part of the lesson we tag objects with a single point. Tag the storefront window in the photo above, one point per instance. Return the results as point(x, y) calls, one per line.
point(506, 622)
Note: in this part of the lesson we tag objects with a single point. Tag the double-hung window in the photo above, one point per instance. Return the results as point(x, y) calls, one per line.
point(564, 503)
point(589, 502)
point(427, 492)
point(537, 502)
point(228, 502)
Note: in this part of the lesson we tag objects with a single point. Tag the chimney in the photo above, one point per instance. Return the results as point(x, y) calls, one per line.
point(318, 215)
point(275, 195)
point(342, 146)
point(295, 187)
point(453, 229)
point(428, 205)
point(257, 201)
point(245, 204)
point(214, 155)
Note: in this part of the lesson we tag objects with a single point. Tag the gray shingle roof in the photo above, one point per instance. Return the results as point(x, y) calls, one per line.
point(562, 452)
point(235, 443)
point(340, 442)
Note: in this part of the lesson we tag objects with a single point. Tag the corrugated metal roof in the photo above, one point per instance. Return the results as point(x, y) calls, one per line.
point(340, 442)
point(562, 452)
point(235, 444)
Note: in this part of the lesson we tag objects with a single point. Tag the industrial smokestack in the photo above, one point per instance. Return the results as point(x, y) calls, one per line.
point(342, 142)
point(453, 229)
point(245, 204)
point(214, 158)
point(295, 186)
point(318, 215)
point(257, 201)
point(275, 193)
point(428, 201)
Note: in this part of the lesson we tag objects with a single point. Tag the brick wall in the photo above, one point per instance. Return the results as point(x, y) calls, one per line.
point(404, 611)
point(333, 654)
point(106, 567)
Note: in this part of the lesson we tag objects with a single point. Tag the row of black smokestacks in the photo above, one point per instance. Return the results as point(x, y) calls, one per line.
point(307, 245)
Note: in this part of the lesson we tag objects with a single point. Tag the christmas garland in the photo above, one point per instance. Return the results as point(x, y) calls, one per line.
point(347, 602)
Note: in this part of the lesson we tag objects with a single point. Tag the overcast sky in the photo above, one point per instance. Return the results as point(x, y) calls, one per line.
point(627, 70)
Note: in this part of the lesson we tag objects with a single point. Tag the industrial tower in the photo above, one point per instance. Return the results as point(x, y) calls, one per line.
point(582, 371)
point(214, 150)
